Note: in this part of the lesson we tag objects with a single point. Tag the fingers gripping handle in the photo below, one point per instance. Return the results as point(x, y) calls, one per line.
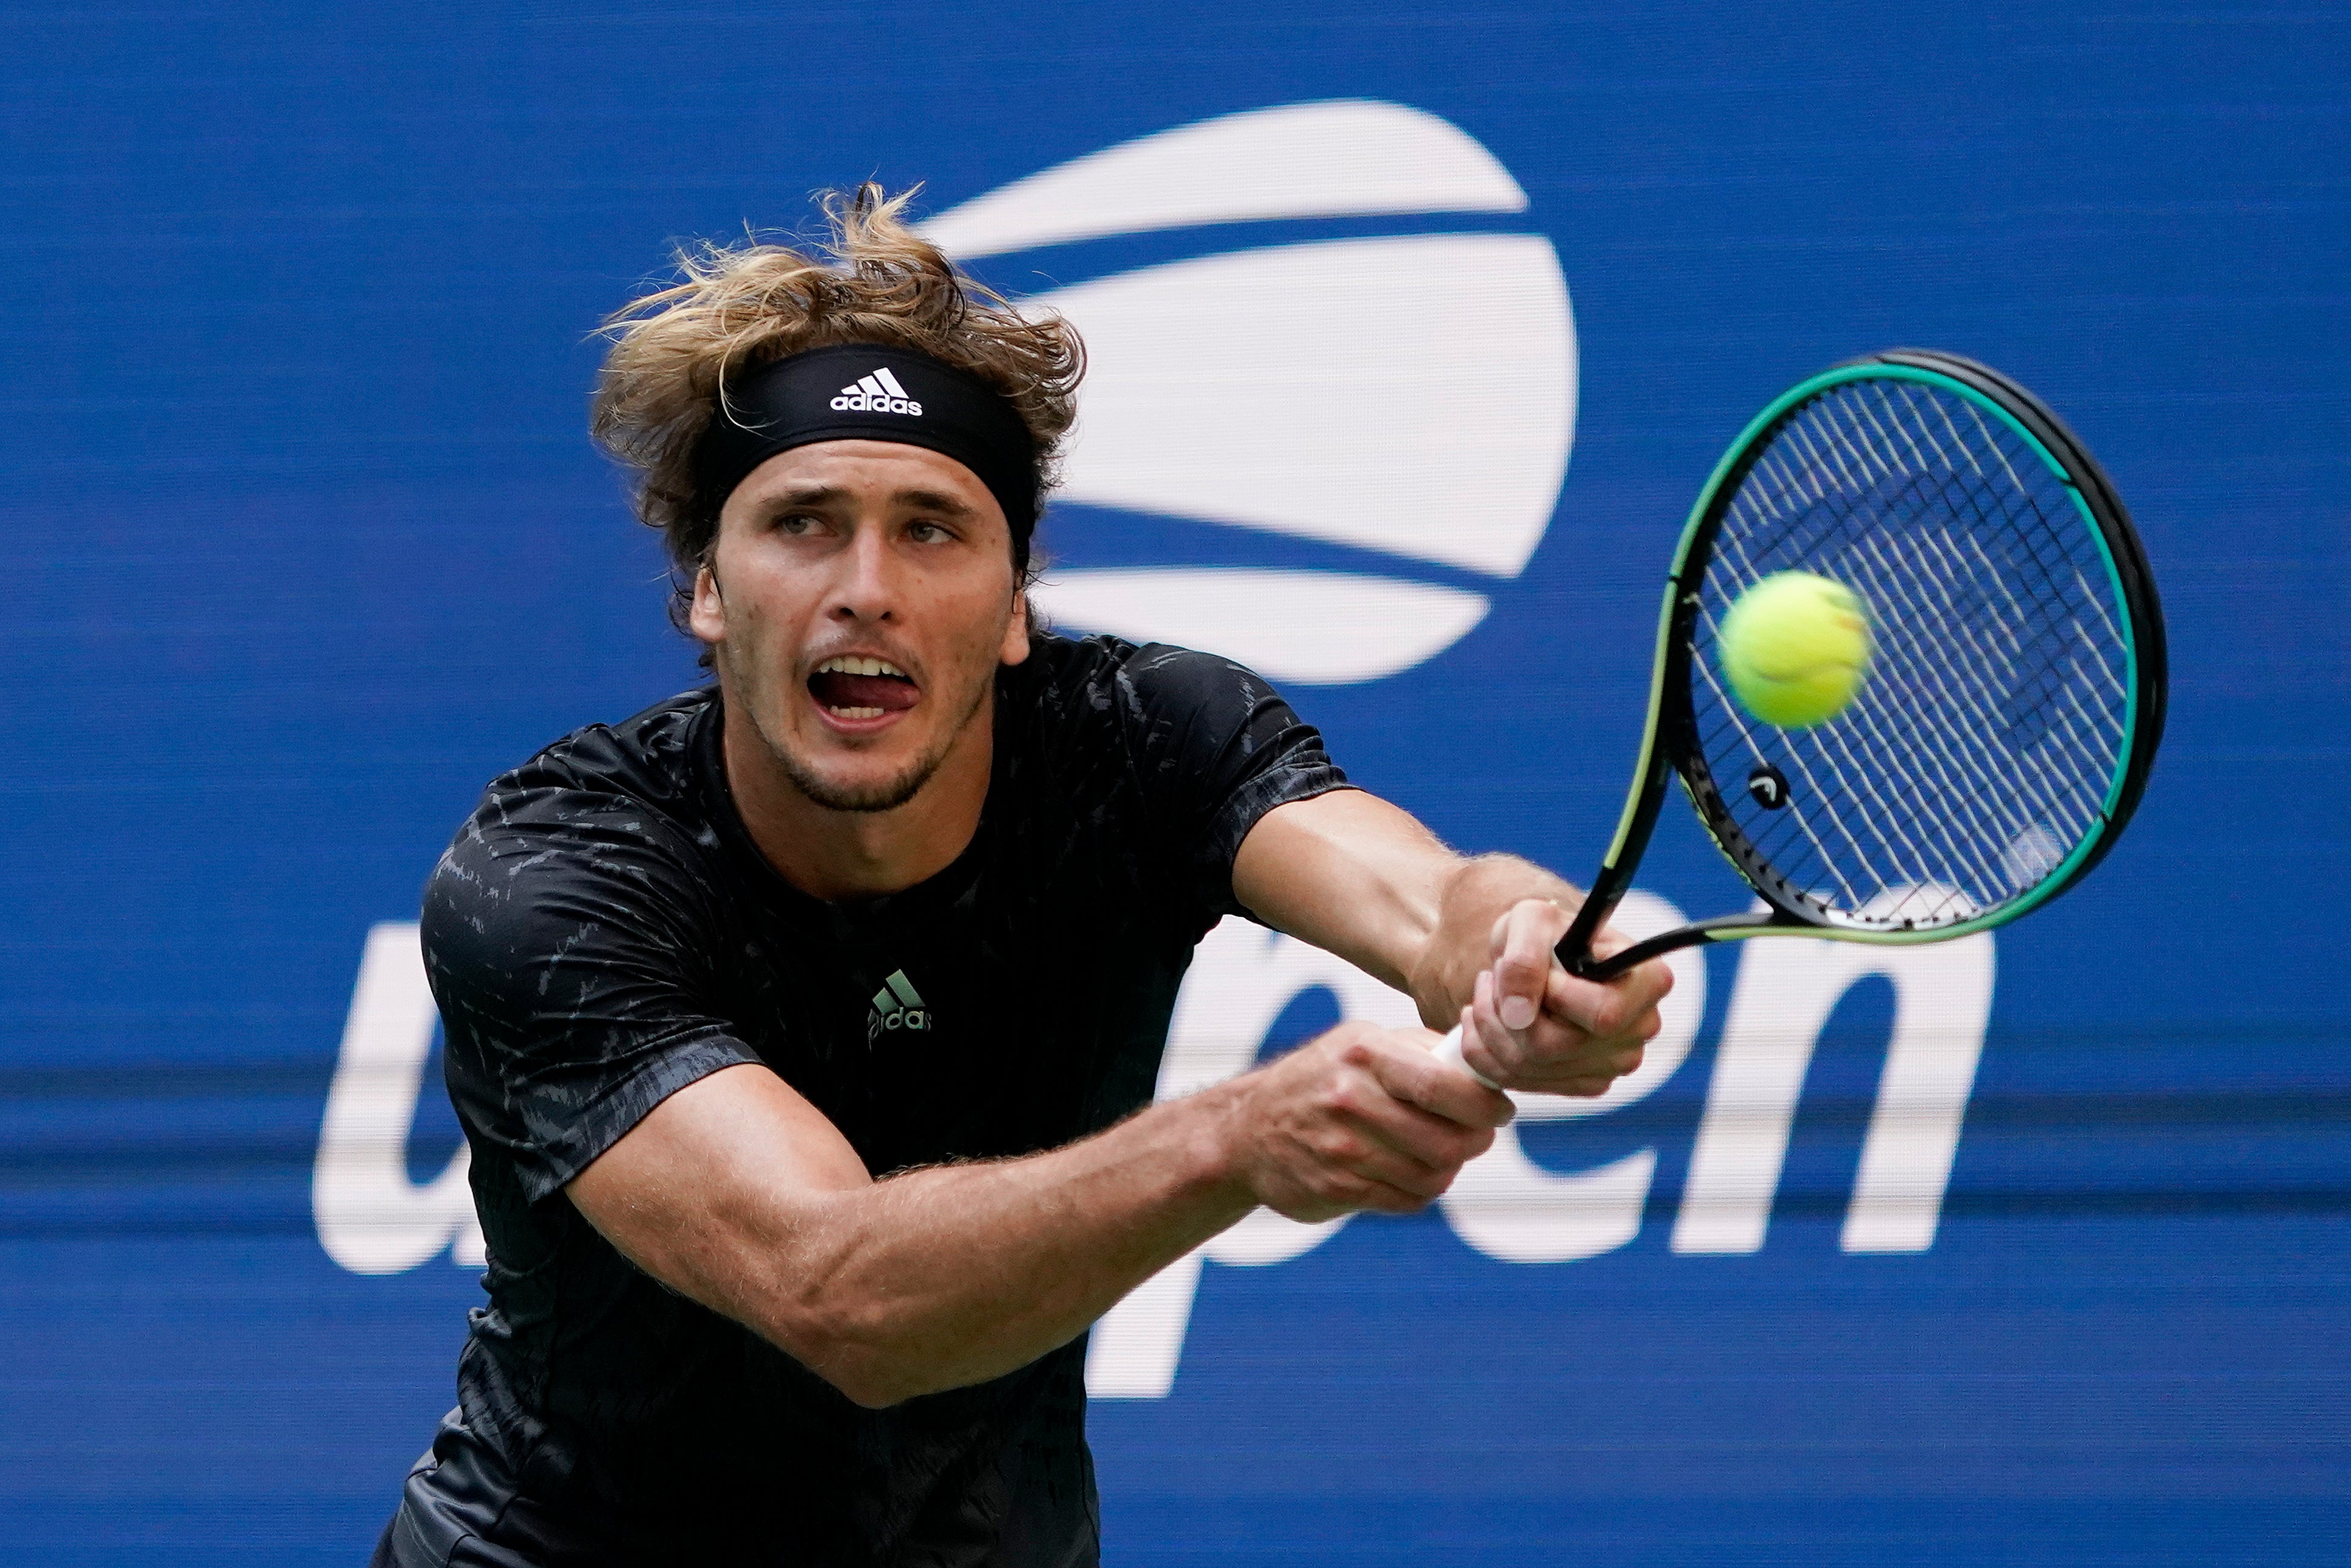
point(1574, 950)
point(1448, 1051)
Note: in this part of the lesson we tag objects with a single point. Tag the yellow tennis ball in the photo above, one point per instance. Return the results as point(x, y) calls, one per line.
point(1795, 648)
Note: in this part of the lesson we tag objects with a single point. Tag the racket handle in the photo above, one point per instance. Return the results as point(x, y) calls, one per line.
point(1574, 950)
point(1448, 1051)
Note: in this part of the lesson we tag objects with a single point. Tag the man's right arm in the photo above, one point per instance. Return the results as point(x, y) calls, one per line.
point(739, 1193)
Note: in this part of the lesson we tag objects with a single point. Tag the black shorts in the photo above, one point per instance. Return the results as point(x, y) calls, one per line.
point(462, 1509)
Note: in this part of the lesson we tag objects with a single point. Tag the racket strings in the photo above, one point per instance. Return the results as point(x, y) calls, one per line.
point(1912, 841)
point(1987, 633)
point(1918, 831)
point(1931, 566)
point(1980, 749)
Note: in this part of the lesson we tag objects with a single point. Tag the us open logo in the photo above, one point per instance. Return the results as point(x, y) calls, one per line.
point(1409, 399)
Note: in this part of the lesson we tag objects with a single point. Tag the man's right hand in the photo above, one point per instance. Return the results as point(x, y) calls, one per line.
point(1363, 1117)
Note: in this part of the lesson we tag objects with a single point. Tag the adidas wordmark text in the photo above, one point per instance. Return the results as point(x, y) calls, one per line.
point(897, 1005)
point(877, 394)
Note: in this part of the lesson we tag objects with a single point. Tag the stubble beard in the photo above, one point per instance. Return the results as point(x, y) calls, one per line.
point(887, 794)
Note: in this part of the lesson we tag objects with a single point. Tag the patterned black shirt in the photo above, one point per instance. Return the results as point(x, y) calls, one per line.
point(603, 933)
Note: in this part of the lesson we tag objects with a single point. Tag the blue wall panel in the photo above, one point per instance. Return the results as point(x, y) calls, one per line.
point(307, 542)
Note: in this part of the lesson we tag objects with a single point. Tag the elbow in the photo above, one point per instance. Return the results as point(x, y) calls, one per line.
point(875, 1382)
point(876, 1388)
point(852, 1346)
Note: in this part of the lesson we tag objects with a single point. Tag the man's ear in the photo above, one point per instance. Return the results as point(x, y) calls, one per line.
point(707, 617)
point(1016, 631)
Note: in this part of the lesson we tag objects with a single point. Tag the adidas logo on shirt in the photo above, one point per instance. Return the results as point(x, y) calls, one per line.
point(877, 394)
point(897, 1005)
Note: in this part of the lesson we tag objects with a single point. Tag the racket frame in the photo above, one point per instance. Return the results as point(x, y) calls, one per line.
point(1669, 742)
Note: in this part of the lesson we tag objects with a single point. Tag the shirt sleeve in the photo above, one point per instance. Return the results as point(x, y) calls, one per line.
point(567, 941)
point(1216, 748)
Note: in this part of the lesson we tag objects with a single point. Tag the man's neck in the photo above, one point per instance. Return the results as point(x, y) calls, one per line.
point(835, 855)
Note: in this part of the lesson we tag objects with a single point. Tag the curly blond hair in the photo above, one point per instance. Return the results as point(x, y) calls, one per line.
point(673, 351)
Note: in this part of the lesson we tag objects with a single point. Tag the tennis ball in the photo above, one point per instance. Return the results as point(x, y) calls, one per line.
point(1795, 648)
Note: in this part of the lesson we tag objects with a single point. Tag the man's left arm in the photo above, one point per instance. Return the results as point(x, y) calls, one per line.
point(1470, 940)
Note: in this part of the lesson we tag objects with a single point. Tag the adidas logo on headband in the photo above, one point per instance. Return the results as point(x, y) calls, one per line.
point(877, 394)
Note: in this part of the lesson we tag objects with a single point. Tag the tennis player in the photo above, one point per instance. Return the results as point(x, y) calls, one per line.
point(802, 1026)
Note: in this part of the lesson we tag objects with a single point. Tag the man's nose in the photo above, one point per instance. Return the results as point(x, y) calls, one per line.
point(866, 589)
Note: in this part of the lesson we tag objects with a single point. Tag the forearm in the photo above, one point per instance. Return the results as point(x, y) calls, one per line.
point(1353, 875)
point(955, 1274)
point(1363, 879)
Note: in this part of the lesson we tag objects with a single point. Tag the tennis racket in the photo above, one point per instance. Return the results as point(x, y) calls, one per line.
point(2015, 693)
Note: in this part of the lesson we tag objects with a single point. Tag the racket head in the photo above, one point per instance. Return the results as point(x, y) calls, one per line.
point(2016, 692)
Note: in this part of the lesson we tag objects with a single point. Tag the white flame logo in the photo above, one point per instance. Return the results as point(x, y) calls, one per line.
point(1411, 394)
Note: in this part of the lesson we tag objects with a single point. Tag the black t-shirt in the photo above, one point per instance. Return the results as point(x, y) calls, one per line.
point(603, 932)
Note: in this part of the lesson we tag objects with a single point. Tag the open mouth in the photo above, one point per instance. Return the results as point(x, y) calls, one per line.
point(850, 687)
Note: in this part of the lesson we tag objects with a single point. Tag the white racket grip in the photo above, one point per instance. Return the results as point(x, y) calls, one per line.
point(1448, 1051)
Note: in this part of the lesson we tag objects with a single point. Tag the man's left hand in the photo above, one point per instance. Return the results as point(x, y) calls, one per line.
point(1526, 1022)
point(1533, 1026)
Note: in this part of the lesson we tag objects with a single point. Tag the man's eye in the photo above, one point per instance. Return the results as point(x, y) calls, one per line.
point(928, 533)
point(796, 523)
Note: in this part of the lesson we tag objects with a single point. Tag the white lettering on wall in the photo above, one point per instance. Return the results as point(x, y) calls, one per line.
point(1787, 989)
point(1509, 1207)
point(371, 1218)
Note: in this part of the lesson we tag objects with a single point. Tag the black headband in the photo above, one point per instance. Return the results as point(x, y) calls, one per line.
point(865, 391)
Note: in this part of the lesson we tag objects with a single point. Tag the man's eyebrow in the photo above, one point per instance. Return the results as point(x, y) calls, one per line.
point(808, 495)
point(934, 501)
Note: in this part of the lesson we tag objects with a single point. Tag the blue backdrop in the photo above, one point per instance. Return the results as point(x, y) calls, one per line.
point(308, 543)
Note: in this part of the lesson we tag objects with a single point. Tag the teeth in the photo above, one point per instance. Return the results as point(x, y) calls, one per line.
point(849, 664)
point(858, 712)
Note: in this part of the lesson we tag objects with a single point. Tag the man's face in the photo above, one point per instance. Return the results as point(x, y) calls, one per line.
point(834, 555)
